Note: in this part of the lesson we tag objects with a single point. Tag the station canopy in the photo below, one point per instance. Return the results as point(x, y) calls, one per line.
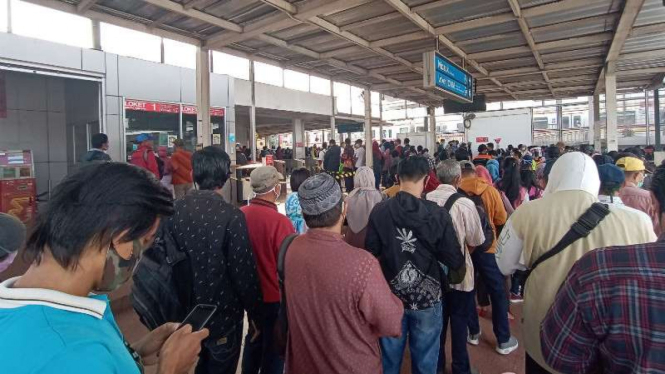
point(515, 49)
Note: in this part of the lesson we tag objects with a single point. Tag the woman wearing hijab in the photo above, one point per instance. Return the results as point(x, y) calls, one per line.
point(377, 163)
point(359, 205)
point(482, 172)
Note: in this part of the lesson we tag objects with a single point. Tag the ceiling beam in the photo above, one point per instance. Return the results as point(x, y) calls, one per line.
point(196, 14)
point(517, 11)
point(371, 21)
point(434, 4)
point(192, 3)
point(558, 6)
point(475, 23)
point(418, 35)
point(631, 9)
point(423, 24)
point(654, 28)
point(657, 82)
point(85, 5)
point(576, 41)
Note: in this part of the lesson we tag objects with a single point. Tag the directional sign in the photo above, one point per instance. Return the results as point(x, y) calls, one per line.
point(443, 75)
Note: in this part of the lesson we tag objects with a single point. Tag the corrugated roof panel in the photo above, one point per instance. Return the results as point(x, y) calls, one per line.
point(644, 43)
point(588, 27)
point(558, 56)
point(466, 10)
point(652, 11)
point(240, 11)
point(485, 31)
point(512, 63)
point(385, 30)
point(586, 8)
point(296, 31)
point(515, 41)
point(360, 13)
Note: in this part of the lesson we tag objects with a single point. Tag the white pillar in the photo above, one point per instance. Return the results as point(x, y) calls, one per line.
point(298, 139)
point(252, 111)
point(591, 131)
point(203, 126)
point(380, 117)
point(368, 126)
point(96, 36)
point(597, 144)
point(332, 110)
point(559, 121)
point(611, 107)
point(432, 129)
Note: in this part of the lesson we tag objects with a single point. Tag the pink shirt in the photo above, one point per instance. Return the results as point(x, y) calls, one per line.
point(640, 199)
point(339, 305)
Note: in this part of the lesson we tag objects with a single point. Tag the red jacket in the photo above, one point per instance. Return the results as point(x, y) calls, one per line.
point(267, 229)
point(144, 157)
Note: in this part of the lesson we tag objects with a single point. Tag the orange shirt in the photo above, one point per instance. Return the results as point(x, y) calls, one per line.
point(181, 162)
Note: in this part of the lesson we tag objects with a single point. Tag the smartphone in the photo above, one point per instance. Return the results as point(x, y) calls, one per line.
point(199, 316)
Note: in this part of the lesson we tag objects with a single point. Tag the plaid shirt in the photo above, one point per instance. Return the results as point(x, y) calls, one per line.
point(609, 315)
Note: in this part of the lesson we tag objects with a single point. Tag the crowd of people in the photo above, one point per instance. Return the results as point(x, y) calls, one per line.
point(411, 249)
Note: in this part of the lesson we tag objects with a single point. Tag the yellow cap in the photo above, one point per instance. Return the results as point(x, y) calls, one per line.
point(630, 164)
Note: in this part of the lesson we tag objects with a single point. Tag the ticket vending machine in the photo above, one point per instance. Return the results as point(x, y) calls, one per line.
point(18, 188)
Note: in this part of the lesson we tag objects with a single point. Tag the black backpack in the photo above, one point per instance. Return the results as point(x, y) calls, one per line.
point(484, 221)
point(163, 282)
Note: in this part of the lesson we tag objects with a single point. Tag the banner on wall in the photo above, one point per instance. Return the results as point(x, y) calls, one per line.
point(3, 96)
point(150, 106)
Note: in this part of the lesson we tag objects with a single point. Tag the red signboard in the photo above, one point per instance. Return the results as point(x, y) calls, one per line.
point(482, 139)
point(3, 96)
point(148, 106)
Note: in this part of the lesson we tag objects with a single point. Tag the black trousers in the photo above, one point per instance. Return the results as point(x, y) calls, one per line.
point(532, 367)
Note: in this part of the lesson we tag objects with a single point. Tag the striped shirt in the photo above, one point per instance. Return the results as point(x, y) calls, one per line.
point(609, 315)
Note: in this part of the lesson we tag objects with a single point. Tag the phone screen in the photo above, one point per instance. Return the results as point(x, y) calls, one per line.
point(199, 316)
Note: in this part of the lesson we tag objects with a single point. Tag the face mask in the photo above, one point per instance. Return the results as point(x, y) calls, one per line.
point(640, 184)
point(4, 263)
point(117, 270)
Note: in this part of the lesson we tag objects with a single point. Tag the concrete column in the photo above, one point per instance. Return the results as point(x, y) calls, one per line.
point(162, 57)
point(432, 129)
point(656, 118)
point(203, 126)
point(298, 139)
point(597, 143)
point(368, 126)
point(559, 120)
point(646, 115)
point(380, 117)
point(9, 16)
point(611, 108)
point(252, 111)
point(590, 117)
point(97, 36)
point(332, 110)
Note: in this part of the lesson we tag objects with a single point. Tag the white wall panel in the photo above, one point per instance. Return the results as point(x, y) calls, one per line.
point(111, 74)
point(93, 60)
point(146, 80)
point(219, 90)
point(39, 51)
point(188, 86)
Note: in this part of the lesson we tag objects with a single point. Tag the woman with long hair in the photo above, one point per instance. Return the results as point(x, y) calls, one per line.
point(528, 180)
point(510, 185)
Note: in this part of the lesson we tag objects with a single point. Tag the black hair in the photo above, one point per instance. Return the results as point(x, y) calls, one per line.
point(609, 188)
point(331, 142)
point(347, 140)
point(324, 145)
point(395, 153)
point(490, 145)
point(482, 148)
point(91, 207)
point(326, 219)
point(461, 155)
point(511, 179)
point(413, 168)
point(419, 148)
point(658, 188)
point(407, 141)
point(297, 177)
point(211, 167)
point(553, 152)
point(528, 178)
point(98, 140)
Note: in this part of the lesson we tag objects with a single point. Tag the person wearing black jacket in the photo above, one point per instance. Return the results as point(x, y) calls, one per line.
point(215, 236)
point(412, 238)
point(332, 158)
point(100, 144)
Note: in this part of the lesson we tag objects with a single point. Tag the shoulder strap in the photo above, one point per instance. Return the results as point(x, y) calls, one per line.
point(282, 257)
point(451, 200)
point(580, 229)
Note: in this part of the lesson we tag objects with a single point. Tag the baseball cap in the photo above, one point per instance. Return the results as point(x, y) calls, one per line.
point(264, 178)
point(610, 175)
point(143, 137)
point(630, 164)
point(12, 234)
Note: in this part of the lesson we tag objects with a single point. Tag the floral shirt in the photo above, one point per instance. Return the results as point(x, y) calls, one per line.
point(294, 212)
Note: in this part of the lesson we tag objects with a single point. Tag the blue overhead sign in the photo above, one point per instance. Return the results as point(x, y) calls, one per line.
point(443, 75)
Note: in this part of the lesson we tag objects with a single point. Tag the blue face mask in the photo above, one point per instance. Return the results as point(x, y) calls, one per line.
point(640, 184)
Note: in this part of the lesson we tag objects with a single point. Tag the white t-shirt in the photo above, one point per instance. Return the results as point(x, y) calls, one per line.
point(322, 154)
point(359, 154)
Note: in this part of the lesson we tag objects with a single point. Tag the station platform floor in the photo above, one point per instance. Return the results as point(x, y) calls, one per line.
point(483, 357)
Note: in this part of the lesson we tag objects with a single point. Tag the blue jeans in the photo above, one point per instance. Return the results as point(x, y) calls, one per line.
point(261, 355)
point(485, 264)
point(459, 307)
point(423, 330)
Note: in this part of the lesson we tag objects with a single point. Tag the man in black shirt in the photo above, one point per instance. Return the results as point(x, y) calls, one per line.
point(332, 157)
point(214, 235)
point(100, 144)
point(411, 237)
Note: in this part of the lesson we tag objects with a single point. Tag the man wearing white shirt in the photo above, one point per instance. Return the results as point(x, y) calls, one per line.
point(359, 153)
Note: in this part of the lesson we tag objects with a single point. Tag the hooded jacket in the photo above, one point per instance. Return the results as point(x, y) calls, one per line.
point(493, 204)
point(537, 226)
point(410, 237)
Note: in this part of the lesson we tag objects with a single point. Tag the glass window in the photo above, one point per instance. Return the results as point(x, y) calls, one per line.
point(270, 74)
point(130, 43)
point(4, 17)
point(163, 126)
point(179, 54)
point(319, 85)
point(357, 101)
point(224, 63)
point(44, 23)
point(296, 80)
point(342, 97)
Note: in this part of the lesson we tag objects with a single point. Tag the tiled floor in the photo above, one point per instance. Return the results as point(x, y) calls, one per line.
point(483, 357)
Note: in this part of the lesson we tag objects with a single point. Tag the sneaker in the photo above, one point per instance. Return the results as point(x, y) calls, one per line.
point(516, 299)
point(473, 339)
point(507, 347)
